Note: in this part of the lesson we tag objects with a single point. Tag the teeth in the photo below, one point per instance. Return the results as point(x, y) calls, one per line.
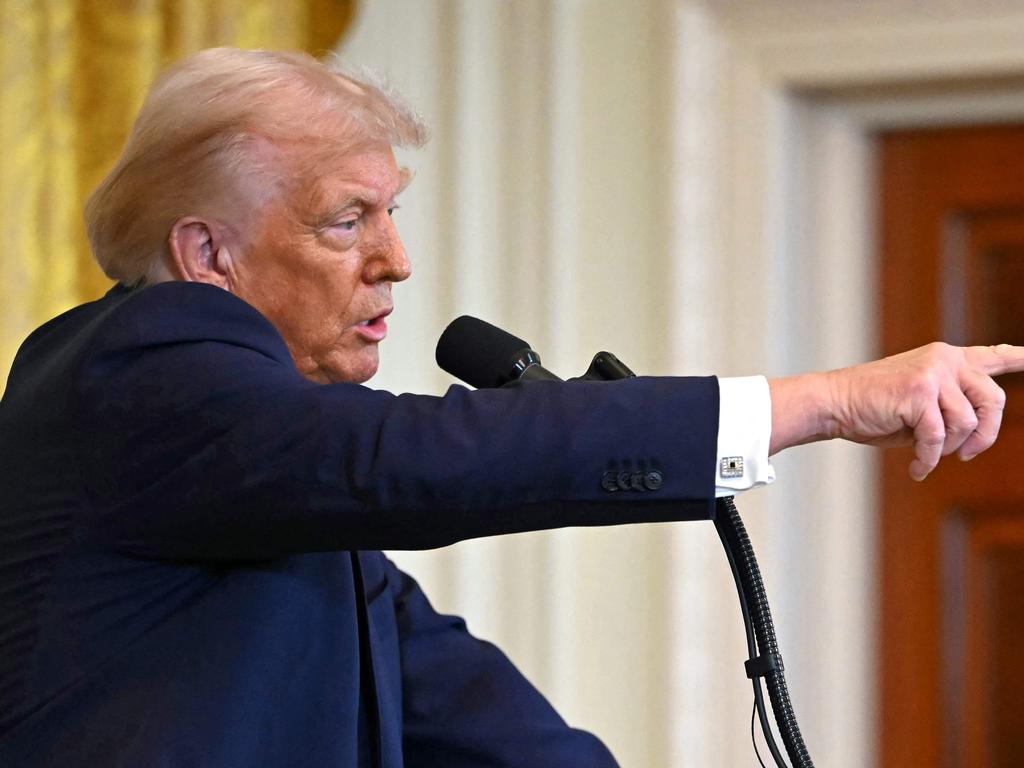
point(365, 322)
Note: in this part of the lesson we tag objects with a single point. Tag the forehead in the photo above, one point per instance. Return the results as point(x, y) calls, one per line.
point(368, 175)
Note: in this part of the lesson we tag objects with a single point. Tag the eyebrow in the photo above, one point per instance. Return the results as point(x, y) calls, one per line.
point(361, 201)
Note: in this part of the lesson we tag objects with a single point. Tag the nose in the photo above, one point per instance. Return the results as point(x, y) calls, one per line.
point(389, 262)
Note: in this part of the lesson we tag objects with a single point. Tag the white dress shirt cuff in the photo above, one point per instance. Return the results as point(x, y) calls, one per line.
point(744, 433)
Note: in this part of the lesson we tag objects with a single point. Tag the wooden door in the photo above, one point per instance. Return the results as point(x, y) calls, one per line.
point(952, 548)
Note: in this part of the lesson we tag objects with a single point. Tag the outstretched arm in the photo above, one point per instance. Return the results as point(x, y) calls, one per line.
point(939, 398)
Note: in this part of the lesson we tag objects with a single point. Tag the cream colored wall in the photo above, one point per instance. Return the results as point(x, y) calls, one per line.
point(690, 186)
point(539, 205)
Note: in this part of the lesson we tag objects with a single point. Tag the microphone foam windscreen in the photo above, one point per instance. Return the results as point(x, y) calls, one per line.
point(476, 352)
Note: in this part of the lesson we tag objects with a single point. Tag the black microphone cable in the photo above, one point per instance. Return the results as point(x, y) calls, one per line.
point(765, 660)
point(721, 507)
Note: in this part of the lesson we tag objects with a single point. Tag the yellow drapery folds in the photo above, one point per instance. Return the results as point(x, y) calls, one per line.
point(73, 74)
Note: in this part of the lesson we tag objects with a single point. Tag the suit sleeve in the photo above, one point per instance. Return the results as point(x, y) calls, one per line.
point(466, 705)
point(199, 439)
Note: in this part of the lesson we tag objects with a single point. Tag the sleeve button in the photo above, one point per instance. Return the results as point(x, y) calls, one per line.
point(624, 480)
point(609, 482)
point(653, 480)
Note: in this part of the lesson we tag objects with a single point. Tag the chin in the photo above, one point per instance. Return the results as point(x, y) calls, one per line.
point(358, 378)
point(357, 369)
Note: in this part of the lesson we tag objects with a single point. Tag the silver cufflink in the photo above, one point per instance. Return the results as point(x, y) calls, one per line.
point(732, 466)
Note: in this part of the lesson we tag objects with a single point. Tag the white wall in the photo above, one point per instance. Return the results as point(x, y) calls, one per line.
point(540, 205)
point(689, 185)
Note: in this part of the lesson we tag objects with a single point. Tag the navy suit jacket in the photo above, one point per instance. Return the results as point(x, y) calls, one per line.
point(188, 536)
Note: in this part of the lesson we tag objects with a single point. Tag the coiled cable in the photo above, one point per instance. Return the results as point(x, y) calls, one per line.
point(765, 660)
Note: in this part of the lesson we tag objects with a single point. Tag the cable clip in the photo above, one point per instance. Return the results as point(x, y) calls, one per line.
point(760, 666)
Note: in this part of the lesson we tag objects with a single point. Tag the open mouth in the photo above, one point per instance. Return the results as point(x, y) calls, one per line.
point(374, 329)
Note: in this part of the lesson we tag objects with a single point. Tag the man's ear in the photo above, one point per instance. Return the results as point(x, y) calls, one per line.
point(198, 252)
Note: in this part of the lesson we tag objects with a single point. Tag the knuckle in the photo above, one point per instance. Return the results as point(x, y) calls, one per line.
point(999, 397)
point(924, 385)
point(963, 426)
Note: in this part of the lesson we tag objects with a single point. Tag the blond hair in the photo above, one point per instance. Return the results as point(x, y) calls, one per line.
point(198, 146)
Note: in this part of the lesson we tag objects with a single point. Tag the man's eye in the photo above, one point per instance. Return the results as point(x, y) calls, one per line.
point(392, 209)
point(348, 225)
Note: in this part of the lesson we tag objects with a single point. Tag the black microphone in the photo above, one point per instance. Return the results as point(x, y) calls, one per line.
point(484, 356)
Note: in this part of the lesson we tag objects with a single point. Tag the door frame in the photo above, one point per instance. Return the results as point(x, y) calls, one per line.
point(778, 209)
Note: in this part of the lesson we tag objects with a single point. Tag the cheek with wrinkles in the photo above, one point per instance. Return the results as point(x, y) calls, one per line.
point(327, 310)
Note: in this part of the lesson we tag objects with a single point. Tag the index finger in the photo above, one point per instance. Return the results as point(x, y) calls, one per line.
point(998, 359)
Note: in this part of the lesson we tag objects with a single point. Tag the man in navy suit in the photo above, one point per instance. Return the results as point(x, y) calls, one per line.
point(195, 485)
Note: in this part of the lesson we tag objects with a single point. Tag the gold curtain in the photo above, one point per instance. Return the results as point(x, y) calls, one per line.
point(73, 74)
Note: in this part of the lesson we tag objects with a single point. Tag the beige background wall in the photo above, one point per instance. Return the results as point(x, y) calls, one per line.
point(689, 185)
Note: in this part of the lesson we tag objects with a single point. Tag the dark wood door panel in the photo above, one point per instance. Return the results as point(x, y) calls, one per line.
point(983, 567)
point(952, 548)
point(982, 279)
